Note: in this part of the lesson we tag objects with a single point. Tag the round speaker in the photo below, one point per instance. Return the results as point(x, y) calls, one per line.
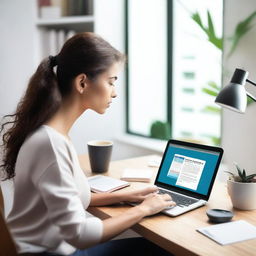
point(219, 215)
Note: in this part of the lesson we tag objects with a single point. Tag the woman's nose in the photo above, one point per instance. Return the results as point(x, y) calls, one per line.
point(114, 95)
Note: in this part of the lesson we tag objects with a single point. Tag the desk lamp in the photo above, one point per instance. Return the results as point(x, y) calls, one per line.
point(234, 96)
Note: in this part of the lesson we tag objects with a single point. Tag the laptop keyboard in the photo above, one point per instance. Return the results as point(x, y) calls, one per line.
point(180, 200)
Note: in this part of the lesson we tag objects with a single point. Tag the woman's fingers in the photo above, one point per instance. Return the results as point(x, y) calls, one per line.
point(166, 197)
point(155, 203)
point(148, 190)
point(168, 200)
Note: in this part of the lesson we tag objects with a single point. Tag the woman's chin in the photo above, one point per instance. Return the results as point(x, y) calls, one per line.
point(101, 111)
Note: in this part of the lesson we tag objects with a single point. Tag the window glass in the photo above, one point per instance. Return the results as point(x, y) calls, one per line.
point(174, 64)
point(147, 58)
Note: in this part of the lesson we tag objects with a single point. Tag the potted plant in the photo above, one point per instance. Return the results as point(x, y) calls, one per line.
point(242, 189)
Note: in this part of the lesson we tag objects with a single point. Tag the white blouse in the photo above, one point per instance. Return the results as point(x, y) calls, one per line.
point(51, 194)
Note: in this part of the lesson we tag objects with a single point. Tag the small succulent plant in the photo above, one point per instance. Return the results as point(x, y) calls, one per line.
point(242, 176)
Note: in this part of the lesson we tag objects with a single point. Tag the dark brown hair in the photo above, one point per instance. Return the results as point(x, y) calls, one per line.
point(83, 53)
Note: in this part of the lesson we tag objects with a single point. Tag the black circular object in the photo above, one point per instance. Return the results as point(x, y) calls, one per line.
point(219, 215)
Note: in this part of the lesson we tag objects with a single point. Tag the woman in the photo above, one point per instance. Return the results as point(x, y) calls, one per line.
point(51, 191)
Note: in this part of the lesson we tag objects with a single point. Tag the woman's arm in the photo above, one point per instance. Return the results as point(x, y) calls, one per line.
point(153, 204)
point(121, 196)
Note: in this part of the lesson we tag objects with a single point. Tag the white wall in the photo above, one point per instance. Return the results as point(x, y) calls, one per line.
point(17, 60)
point(238, 136)
point(17, 49)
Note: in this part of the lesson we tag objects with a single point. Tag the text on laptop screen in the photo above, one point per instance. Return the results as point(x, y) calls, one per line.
point(188, 168)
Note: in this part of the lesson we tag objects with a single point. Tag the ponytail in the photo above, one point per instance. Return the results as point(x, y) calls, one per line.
point(41, 100)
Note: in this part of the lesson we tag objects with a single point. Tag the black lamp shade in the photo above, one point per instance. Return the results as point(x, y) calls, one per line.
point(233, 96)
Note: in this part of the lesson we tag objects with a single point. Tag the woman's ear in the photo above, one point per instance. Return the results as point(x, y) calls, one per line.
point(80, 83)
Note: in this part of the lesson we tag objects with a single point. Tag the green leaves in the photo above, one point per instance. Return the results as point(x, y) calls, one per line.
point(231, 173)
point(211, 109)
point(213, 90)
point(213, 85)
point(241, 29)
point(208, 29)
point(242, 174)
point(210, 92)
point(250, 177)
point(160, 130)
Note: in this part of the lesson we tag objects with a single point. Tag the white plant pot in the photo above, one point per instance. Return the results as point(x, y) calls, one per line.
point(243, 195)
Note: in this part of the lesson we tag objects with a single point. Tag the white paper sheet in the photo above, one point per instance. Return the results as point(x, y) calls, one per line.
point(231, 232)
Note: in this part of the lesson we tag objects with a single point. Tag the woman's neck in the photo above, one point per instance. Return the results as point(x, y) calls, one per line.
point(65, 117)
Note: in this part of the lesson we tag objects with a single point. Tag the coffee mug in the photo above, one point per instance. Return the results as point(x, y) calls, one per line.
point(99, 155)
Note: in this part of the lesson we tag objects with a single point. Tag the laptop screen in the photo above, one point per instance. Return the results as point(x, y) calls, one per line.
point(189, 168)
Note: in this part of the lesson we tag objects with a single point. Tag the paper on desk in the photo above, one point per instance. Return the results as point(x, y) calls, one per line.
point(131, 174)
point(231, 232)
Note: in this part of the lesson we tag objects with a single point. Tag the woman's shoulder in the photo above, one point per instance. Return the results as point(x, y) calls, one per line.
point(43, 144)
point(42, 149)
point(45, 137)
point(35, 155)
point(37, 144)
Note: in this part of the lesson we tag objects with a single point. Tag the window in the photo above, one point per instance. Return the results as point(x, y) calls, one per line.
point(171, 62)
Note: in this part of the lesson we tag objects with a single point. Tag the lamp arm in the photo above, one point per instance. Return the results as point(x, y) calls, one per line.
point(251, 82)
point(251, 96)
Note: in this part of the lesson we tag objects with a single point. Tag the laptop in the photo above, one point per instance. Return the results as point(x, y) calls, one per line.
point(187, 172)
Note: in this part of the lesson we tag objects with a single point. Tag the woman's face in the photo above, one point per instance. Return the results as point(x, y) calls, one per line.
point(100, 92)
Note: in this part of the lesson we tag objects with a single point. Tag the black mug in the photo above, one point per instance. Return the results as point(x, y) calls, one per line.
point(99, 154)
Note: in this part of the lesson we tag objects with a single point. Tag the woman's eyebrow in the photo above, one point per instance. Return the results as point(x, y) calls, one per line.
point(113, 77)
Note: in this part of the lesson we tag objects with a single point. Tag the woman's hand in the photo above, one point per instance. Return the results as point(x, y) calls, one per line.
point(135, 196)
point(155, 203)
point(151, 201)
point(139, 195)
point(152, 204)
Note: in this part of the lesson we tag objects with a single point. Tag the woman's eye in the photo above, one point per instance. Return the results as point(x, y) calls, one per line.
point(111, 84)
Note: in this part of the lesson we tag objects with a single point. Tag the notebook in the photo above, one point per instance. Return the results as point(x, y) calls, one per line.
point(101, 183)
point(187, 172)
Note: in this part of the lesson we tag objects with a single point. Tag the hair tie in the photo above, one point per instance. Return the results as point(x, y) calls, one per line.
point(53, 60)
